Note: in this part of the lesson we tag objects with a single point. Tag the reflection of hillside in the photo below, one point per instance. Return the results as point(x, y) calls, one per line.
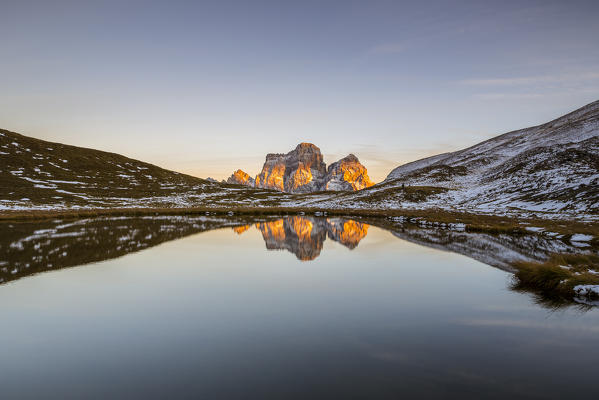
point(29, 247)
point(497, 250)
point(304, 236)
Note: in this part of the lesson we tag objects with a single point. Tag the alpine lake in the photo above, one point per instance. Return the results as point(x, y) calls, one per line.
point(296, 306)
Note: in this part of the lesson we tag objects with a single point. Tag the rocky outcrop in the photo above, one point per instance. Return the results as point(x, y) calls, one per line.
point(240, 177)
point(306, 169)
point(303, 170)
point(347, 174)
point(273, 173)
point(299, 171)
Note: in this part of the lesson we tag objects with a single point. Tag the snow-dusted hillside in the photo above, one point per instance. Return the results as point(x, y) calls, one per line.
point(551, 168)
point(35, 174)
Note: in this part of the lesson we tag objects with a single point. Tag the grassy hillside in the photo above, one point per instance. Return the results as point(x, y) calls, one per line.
point(47, 173)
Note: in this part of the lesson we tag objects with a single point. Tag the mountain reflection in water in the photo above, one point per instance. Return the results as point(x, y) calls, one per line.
point(304, 236)
point(30, 247)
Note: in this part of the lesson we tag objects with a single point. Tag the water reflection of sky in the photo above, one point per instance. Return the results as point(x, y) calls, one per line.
point(215, 314)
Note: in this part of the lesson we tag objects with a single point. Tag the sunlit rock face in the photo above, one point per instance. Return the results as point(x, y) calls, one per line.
point(306, 169)
point(240, 177)
point(303, 170)
point(304, 236)
point(273, 173)
point(299, 171)
point(347, 174)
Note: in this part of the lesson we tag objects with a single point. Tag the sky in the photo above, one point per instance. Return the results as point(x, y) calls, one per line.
point(206, 87)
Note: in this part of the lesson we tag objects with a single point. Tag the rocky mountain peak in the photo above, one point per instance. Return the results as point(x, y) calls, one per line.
point(303, 170)
point(350, 158)
point(300, 170)
point(307, 151)
point(240, 177)
point(347, 174)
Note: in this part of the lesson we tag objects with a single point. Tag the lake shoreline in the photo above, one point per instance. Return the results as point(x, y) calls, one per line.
point(469, 221)
point(552, 280)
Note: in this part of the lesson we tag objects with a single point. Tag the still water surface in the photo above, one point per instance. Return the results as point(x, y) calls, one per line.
point(277, 308)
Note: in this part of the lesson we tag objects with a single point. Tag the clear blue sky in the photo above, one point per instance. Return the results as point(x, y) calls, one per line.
point(208, 87)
